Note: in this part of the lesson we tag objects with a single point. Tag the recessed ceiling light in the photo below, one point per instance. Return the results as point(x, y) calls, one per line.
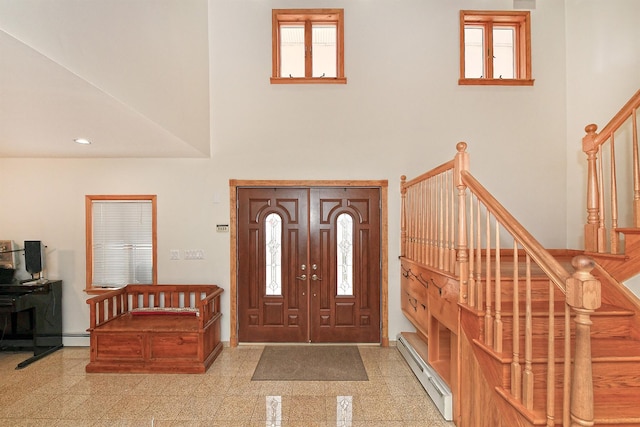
point(83, 141)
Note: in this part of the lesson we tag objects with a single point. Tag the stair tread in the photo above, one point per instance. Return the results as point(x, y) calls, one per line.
point(628, 230)
point(619, 404)
point(540, 308)
point(602, 349)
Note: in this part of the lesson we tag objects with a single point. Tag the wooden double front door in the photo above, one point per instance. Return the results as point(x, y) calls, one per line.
point(308, 264)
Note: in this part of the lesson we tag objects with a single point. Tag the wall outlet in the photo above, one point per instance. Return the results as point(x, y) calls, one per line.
point(193, 254)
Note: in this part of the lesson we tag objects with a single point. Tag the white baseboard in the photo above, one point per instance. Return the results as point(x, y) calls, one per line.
point(75, 341)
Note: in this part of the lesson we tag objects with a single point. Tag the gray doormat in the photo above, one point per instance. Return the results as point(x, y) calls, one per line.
point(310, 363)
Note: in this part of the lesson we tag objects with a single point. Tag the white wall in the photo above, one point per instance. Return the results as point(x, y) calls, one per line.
point(401, 112)
point(603, 72)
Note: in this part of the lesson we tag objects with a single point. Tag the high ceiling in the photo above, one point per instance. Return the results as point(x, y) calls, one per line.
point(130, 76)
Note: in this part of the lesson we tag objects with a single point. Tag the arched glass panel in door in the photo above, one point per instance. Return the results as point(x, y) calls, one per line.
point(345, 254)
point(273, 251)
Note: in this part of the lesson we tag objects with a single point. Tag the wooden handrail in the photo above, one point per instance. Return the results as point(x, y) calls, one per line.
point(538, 253)
point(597, 227)
point(617, 120)
point(430, 174)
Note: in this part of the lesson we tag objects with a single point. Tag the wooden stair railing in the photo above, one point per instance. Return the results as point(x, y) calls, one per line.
point(451, 223)
point(613, 208)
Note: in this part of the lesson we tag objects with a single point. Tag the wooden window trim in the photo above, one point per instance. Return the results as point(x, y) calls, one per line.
point(309, 16)
point(521, 21)
point(89, 199)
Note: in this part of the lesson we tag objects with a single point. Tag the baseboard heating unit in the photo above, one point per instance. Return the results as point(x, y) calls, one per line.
point(433, 384)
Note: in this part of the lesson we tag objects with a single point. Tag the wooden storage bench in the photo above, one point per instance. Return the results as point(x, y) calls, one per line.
point(155, 328)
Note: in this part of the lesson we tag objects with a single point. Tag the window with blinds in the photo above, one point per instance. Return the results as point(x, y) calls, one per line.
point(120, 240)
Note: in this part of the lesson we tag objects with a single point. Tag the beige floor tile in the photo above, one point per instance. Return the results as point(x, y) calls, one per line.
point(243, 386)
point(93, 408)
point(130, 407)
point(274, 388)
point(341, 388)
point(56, 391)
point(213, 386)
point(169, 407)
point(151, 385)
point(308, 388)
point(307, 423)
point(234, 408)
point(373, 387)
point(125, 422)
point(224, 369)
point(57, 384)
point(61, 406)
point(371, 408)
point(305, 408)
point(199, 409)
point(23, 406)
point(181, 385)
point(381, 424)
point(417, 408)
point(404, 386)
point(86, 422)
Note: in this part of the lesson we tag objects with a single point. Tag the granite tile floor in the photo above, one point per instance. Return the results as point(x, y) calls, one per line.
point(56, 391)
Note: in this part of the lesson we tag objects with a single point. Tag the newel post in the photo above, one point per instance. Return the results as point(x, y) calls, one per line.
point(590, 148)
point(584, 297)
point(461, 163)
point(403, 216)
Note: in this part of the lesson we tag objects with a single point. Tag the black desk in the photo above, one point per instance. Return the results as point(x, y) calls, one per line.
point(31, 318)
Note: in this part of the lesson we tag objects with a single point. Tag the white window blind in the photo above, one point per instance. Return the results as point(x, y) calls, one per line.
point(122, 242)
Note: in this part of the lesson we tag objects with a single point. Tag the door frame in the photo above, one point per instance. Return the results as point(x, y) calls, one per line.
point(384, 230)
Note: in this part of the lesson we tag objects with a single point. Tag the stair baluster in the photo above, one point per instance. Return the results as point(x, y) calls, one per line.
point(625, 125)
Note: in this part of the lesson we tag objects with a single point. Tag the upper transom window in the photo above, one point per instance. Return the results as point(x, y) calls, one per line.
point(308, 46)
point(495, 48)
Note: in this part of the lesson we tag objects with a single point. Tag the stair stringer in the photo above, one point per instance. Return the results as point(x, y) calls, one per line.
point(615, 293)
point(481, 405)
point(626, 265)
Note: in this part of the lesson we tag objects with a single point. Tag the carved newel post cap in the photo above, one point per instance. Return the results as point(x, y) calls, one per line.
point(461, 147)
point(592, 128)
point(583, 264)
point(583, 290)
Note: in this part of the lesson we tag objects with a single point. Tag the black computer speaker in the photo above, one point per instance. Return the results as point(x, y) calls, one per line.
point(33, 256)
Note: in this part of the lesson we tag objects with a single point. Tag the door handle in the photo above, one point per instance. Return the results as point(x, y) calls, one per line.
point(315, 277)
point(303, 277)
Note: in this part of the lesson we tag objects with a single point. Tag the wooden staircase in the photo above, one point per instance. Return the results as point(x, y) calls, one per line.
point(523, 335)
point(615, 359)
